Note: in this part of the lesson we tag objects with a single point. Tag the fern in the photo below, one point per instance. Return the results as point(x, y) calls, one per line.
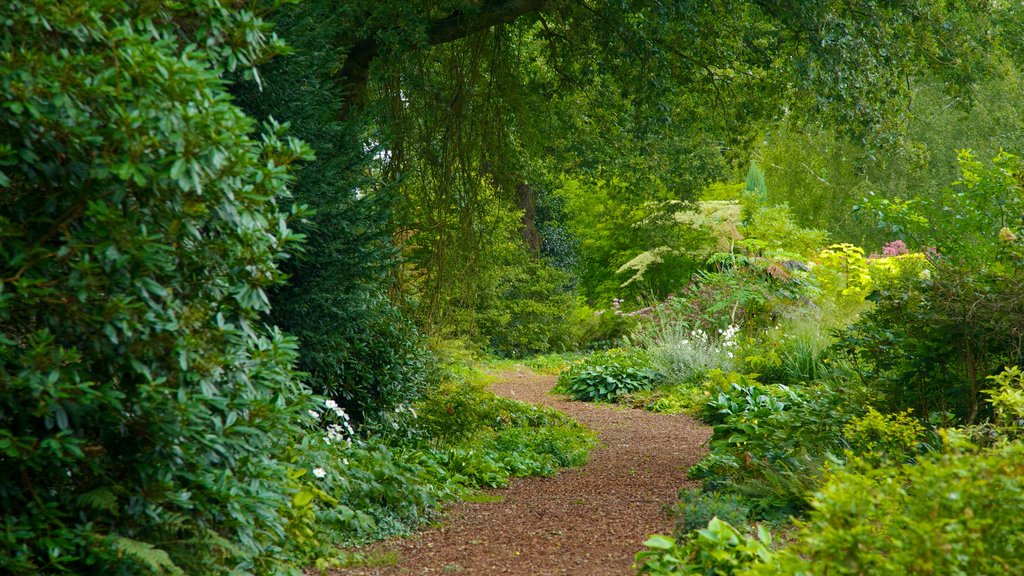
point(146, 554)
point(100, 499)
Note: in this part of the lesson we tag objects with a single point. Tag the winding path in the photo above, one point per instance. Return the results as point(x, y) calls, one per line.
point(588, 521)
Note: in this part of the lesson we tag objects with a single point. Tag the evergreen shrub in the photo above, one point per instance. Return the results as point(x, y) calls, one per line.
point(143, 216)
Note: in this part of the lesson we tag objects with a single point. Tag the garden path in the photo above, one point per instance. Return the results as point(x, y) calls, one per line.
point(588, 521)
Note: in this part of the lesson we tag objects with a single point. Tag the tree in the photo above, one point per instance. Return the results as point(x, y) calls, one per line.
point(478, 96)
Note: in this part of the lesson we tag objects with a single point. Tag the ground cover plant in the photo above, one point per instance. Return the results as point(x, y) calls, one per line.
point(605, 376)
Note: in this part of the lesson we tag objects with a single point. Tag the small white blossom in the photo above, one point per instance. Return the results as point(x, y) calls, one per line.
point(314, 414)
point(319, 472)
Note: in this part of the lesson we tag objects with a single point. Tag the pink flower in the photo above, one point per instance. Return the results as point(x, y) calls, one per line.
point(895, 248)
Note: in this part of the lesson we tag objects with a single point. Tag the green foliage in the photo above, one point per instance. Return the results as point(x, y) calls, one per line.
point(948, 514)
point(603, 328)
point(1007, 399)
point(695, 508)
point(771, 441)
point(531, 312)
point(770, 230)
point(878, 439)
point(656, 250)
point(844, 278)
point(685, 398)
point(604, 376)
point(143, 405)
point(932, 338)
point(356, 343)
point(683, 355)
point(717, 550)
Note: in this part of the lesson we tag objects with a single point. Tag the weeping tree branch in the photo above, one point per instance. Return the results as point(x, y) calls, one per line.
point(355, 72)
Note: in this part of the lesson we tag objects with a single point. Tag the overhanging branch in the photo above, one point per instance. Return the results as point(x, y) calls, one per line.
point(355, 73)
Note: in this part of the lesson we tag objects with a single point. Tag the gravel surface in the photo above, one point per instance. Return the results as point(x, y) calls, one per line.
point(588, 521)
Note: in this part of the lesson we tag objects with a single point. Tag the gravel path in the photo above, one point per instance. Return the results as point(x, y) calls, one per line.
point(589, 521)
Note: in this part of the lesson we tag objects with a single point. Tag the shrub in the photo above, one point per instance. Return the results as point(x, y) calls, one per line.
point(1007, 400)
point(719, 550)
point(696, 508)
point(948, 514)
point(676, 399)
point(604, 376)
point(531, 312)
point(683, 355)
point(357, 344)
point(878, 439)
point(771, 441)
point(604, 328)
point(143, 405)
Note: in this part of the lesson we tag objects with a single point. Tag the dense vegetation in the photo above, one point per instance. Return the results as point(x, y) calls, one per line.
point(249, 251)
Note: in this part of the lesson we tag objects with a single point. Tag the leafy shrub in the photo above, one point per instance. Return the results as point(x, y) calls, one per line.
point(532, 310)
point(143, 405)
point(695, 508)
point(602, 328)
point(878, 439)
point(719, 550)
point(771, 441)
point(771, 230)
point(604, 376)
point(683, 355)
point(934, 336)
point(687, 398)
point(842, 274)
point(948, 514)
point(1007, 400)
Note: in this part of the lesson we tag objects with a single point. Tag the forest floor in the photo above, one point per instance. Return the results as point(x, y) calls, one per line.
point(588, 521)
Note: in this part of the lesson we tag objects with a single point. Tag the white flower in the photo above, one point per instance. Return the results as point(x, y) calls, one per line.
point(314, 414)
point(331, 404)
point(345, 461)
point(319, 472)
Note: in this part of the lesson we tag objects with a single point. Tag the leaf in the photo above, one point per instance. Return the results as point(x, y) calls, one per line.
point(152, 557)
point(303, 498)
point(659, 542)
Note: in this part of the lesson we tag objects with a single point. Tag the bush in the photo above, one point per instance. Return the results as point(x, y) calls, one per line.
point(531, 312)
point(676, 399)
point(771, 441)
point(719, 550)
point(696, 508)
point(143, 405)
point(879, 439)
point(683, 355)
point(357, 344)
point(604, 376)
point(948, 514)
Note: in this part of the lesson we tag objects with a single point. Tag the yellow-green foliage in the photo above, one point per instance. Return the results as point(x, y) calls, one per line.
point(880, 438)
point(843, 276)
point(771, 231)
point(894, 271)
point(1007, 398)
